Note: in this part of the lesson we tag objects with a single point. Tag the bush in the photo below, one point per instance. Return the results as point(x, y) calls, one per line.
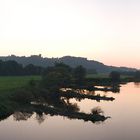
point(23, 96)
point(115, 76)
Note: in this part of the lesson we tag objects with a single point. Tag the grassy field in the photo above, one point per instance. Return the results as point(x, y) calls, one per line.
point(102, 75)
point(8, 83)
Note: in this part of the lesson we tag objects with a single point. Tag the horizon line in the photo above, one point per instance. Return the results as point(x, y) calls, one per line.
point(40, 55)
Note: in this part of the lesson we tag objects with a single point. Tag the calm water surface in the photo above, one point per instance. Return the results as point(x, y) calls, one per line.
point(124, 123)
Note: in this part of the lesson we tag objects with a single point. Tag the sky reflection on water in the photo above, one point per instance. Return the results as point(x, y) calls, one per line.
point(123, 124)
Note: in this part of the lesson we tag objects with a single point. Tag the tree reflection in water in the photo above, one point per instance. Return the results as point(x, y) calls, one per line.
point(55, 105)
point(137, 84)
point(60, 107)
point(41, 113)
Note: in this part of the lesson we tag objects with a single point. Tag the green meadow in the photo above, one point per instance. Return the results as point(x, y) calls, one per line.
point(103, 75)
point(9, 83)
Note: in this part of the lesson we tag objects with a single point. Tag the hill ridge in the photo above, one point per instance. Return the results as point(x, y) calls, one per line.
point(73, 61)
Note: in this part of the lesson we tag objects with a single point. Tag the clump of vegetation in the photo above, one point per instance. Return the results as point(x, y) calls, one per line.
point(22, 96)
point(56, 77)
point(137, 76)
point(62, 75)
point(115, 76)
point(79, 75)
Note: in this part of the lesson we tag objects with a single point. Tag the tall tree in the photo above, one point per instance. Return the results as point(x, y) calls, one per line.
point(58, 76)
point(79, 75)
point(115, 76)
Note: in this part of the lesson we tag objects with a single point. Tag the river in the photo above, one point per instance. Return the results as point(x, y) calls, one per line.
point(123, 122)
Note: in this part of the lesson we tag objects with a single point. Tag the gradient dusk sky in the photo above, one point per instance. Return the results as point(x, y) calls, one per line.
point(103, 30)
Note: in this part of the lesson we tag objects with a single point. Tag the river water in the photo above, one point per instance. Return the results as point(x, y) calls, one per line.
point(123, 124)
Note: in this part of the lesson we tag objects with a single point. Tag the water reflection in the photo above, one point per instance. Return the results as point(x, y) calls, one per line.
point(62, 107)
point(61, 123)
point(18, 116)
point(24, 116)
point(41, 117)
point(114, 88)
point(137, 84)
point(41, 112)
point(54, 104)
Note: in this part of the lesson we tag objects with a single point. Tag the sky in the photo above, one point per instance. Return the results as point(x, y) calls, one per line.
point(103, 30)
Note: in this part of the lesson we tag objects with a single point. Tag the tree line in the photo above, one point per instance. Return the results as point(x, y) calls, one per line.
point(59, 71)
point(12, 68)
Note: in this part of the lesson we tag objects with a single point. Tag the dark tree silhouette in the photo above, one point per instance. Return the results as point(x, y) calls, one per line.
point(12, 68)
point(57, 77)
point(137, 75)
point(32, 70)
point(79, 75)
point(115, 76)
